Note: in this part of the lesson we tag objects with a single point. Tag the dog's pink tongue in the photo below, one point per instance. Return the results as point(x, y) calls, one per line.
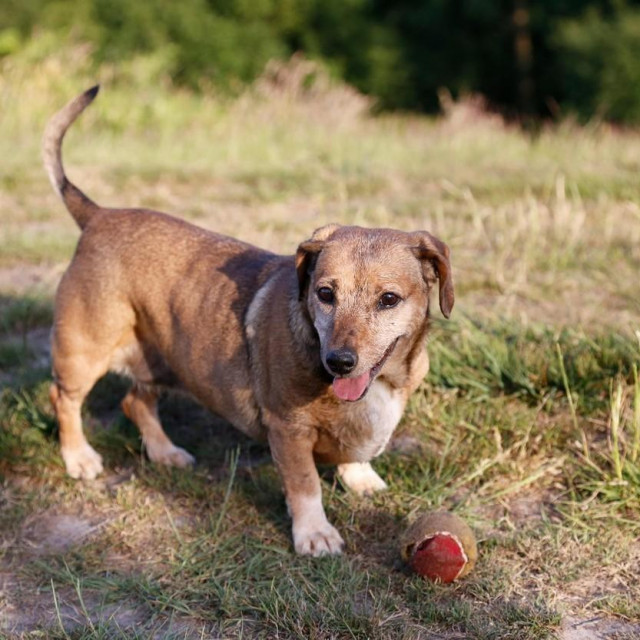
point(350, 388)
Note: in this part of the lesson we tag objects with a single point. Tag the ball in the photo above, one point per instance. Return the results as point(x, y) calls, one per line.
point(440, 546)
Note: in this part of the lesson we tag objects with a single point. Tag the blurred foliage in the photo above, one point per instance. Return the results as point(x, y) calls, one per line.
point(528, 57)
point(600, 64)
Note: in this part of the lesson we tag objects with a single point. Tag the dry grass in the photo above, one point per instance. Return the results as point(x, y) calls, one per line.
point(545, 234)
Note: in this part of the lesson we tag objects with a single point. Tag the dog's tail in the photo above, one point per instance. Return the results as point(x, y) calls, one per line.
point(79, 205)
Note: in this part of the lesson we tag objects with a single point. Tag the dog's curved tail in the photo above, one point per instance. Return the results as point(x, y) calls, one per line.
point(79, 205)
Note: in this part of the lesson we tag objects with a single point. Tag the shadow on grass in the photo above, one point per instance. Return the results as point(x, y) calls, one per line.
point(30, 462)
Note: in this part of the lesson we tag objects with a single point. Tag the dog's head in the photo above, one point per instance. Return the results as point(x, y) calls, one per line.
point(367, 290)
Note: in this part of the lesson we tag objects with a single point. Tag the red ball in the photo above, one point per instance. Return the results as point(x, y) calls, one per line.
point(440, 557)
point(440, 546)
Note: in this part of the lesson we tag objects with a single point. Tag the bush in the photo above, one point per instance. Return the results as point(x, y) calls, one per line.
point(601, 65)
point(402, 52)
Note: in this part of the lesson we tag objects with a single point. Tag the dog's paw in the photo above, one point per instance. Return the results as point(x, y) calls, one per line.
point(317, 541)
point(170, 456)
point(82, 462)
point(360, 478)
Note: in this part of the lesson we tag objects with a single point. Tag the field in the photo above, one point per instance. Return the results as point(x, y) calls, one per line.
point(528, 424)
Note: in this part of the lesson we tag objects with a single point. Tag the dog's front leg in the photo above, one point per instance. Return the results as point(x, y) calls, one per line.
point(312, 533)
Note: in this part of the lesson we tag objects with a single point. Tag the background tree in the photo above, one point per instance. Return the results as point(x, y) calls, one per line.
point(528, 57)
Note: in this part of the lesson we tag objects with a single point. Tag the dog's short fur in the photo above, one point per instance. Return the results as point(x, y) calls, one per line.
point(316, 352)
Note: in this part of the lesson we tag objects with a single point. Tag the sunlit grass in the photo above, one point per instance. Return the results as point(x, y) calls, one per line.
point(540, 228)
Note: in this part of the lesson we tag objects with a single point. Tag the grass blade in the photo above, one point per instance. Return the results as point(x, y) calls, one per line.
point(572, 407)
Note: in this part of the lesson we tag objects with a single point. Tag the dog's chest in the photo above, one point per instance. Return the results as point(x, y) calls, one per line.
point(373, 420)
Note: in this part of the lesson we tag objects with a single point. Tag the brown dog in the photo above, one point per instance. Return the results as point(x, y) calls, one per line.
point(316, 352)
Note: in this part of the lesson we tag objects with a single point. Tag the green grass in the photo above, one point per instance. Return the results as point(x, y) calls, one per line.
point(213, 547)
point(528, 424)
point(21, 314)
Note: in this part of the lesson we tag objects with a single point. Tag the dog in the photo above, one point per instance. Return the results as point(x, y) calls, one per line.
point(317, 353)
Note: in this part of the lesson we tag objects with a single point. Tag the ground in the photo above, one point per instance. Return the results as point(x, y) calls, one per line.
point(528, 425)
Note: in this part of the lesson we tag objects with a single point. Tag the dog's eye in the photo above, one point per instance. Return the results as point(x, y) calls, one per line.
point(325, 295)
point(388, 300)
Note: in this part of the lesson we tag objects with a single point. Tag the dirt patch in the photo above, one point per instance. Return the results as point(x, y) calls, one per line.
point(36, 348)
point(45, 610)
point(30, 604)
point(39, 342)
point(18, 279)
point(525, 509)
point(57, 532)
point(599, 628)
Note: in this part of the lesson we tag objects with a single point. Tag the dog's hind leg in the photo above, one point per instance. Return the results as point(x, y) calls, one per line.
point(67, 394)
point(141, 407)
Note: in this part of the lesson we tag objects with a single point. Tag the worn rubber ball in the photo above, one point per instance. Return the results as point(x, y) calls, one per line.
point(440, 546)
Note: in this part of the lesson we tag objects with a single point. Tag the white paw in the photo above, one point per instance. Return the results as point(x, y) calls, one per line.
point(170, 455)
point(360, 478)
point(82, 462)
point(317, 541)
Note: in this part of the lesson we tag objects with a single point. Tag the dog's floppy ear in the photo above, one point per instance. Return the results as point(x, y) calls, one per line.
point(435, 253)
point(308, 251)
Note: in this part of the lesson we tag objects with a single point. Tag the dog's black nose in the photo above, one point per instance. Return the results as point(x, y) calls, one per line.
point(342, 361)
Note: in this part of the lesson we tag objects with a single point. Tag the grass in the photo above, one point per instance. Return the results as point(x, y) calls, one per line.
point(528, 424)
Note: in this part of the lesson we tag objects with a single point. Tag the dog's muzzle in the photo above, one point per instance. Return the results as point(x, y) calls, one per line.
point(352, 389)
